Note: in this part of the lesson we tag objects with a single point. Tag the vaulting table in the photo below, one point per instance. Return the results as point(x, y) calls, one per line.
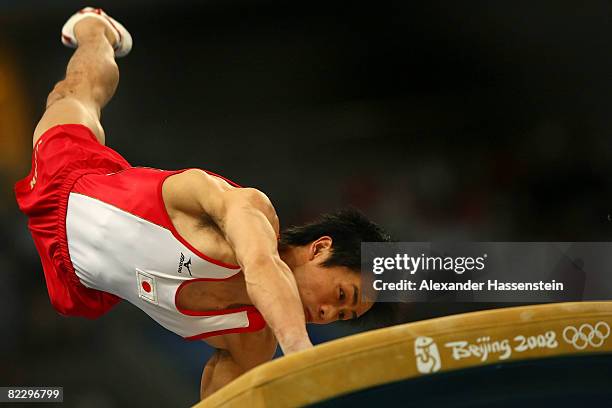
point(549, 355)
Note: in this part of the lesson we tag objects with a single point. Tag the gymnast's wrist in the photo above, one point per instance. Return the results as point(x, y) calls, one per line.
point(293, 344)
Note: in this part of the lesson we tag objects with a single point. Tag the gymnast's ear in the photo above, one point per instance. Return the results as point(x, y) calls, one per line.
point(320, 247)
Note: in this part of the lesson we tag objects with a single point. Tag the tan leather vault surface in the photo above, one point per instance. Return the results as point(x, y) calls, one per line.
point(421, 348)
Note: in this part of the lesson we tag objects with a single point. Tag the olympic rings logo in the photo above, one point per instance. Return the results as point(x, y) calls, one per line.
point(586, 335)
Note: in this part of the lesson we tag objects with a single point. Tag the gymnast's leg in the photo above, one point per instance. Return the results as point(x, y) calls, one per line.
point(91, 80)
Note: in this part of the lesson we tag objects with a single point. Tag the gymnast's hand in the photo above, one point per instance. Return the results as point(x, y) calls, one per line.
point(301, 344)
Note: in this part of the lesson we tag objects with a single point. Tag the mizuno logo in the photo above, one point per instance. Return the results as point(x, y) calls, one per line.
point(185, 264)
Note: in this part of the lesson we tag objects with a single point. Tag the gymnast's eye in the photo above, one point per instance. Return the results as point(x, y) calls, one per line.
point(342, 295)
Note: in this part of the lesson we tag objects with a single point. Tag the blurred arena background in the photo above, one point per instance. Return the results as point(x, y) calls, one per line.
point(483, 121)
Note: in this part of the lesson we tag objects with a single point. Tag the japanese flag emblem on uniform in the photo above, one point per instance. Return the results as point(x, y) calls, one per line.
point(147, 290)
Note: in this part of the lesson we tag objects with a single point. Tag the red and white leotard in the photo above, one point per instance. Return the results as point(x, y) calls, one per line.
point(119, 242)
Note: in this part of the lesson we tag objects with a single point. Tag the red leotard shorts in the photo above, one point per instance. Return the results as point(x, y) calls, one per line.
point(61, 156)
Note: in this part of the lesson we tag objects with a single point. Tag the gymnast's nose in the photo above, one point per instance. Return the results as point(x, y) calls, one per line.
point(326, 313)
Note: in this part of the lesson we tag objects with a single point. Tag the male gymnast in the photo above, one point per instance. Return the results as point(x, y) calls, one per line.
point(199, 254)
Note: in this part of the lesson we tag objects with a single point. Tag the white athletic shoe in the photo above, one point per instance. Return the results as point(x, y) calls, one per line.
point(124, 39)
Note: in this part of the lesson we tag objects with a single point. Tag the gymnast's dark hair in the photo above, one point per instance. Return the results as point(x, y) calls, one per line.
point(348, 228)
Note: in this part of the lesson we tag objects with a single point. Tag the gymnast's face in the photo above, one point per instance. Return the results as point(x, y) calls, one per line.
point(328, 293)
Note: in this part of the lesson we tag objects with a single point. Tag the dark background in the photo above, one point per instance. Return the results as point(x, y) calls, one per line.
point(483, 121)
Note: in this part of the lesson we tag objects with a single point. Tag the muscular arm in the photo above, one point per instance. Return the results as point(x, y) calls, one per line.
point(249, 223)
point(220, 369)
point(235, 354)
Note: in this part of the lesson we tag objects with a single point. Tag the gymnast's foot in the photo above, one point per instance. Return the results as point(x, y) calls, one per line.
point(89, 20)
